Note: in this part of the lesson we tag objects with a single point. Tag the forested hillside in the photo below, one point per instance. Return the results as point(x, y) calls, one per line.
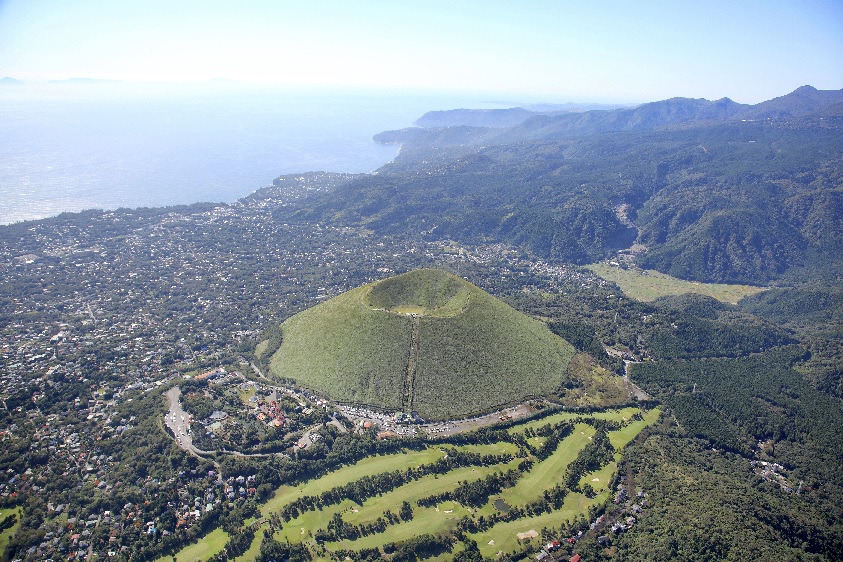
point(709, 191)
point(734, 201)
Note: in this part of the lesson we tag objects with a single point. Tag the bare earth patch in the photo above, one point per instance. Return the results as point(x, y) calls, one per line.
point(531, 534)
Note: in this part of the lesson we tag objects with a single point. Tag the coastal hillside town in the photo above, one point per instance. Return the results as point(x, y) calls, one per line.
point(103, 311)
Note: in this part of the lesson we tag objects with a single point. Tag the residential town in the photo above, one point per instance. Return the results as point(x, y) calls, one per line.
point(103, 310)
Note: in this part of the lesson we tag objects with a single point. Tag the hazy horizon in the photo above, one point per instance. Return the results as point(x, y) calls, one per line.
point(616, 52)
point(154, 103)
point(72, 148)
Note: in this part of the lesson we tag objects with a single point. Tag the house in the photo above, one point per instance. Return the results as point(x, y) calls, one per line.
point(576, 558)
point(216, 416)
point(210, 374)
point(621, 494)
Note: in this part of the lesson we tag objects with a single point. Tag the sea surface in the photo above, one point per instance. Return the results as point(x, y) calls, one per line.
point(74, 147)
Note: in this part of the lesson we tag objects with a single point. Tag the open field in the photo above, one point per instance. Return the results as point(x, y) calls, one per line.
point(594, 385)
point(373, 508)
point(618, 415)
point(624, 435)
point(421, 488)
point(443, 518)
point(202, 550)
point(301, 528)
point(648, 285)
point(500, 448)
point(426, 521)
point(245, 395)
point(549, 472)
point(599, 479)
point(7, 535)
point(346, 474)
point(503, 536)
point(255, 548)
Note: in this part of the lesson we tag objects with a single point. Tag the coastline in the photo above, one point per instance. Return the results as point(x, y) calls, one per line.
point(73, 155)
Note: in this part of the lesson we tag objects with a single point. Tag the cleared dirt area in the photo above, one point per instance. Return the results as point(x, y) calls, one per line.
point(445, 429)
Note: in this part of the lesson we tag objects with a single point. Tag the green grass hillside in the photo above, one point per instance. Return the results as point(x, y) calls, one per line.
point(426, 292)
point(489, 355)
point(426, 341)
point(648, 285)
point(346, 350)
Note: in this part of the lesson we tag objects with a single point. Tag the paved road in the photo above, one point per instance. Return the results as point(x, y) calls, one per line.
point(634, 390)
point(179, 422)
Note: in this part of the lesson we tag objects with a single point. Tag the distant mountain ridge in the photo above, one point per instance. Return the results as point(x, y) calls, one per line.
point(802, 101)
point(531, 125)
point(501, 118)
point(644, 117)
point(713, 195)
point(474, 117)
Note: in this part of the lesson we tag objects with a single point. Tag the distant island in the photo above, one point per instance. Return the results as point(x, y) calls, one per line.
point(85, 81)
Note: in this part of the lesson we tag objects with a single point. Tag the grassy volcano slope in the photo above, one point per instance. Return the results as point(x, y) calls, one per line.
point(488, 356)
point(347, 351)
point(473, 351)
point(424, 291)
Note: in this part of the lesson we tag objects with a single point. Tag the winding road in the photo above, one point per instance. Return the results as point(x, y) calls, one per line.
point(179, 423)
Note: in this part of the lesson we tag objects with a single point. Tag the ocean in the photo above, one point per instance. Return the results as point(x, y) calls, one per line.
point(67, 147)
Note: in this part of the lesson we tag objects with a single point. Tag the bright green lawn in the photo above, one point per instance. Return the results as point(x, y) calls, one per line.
point(619, 439)
point(246, 394)
point(547, 473)
point(202, 550)
point(373, 508)
point(414, 491)
point(344, 475)
point(426, 520)
point(255, 548)
point(7, 535)
point(613, 415)
point(543, 476)
point(504, 534)
point(301, 528)
point(501, 448)
point(599, 479)
point(649, 285)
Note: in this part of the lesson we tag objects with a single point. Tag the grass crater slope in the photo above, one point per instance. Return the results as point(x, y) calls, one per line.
point(424, 292)
point(426, 341)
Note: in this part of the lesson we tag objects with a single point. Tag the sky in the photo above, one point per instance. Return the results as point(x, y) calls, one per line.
point(602, 51)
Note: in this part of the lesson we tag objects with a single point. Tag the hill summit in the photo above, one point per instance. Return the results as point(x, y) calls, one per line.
point(425, 341)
